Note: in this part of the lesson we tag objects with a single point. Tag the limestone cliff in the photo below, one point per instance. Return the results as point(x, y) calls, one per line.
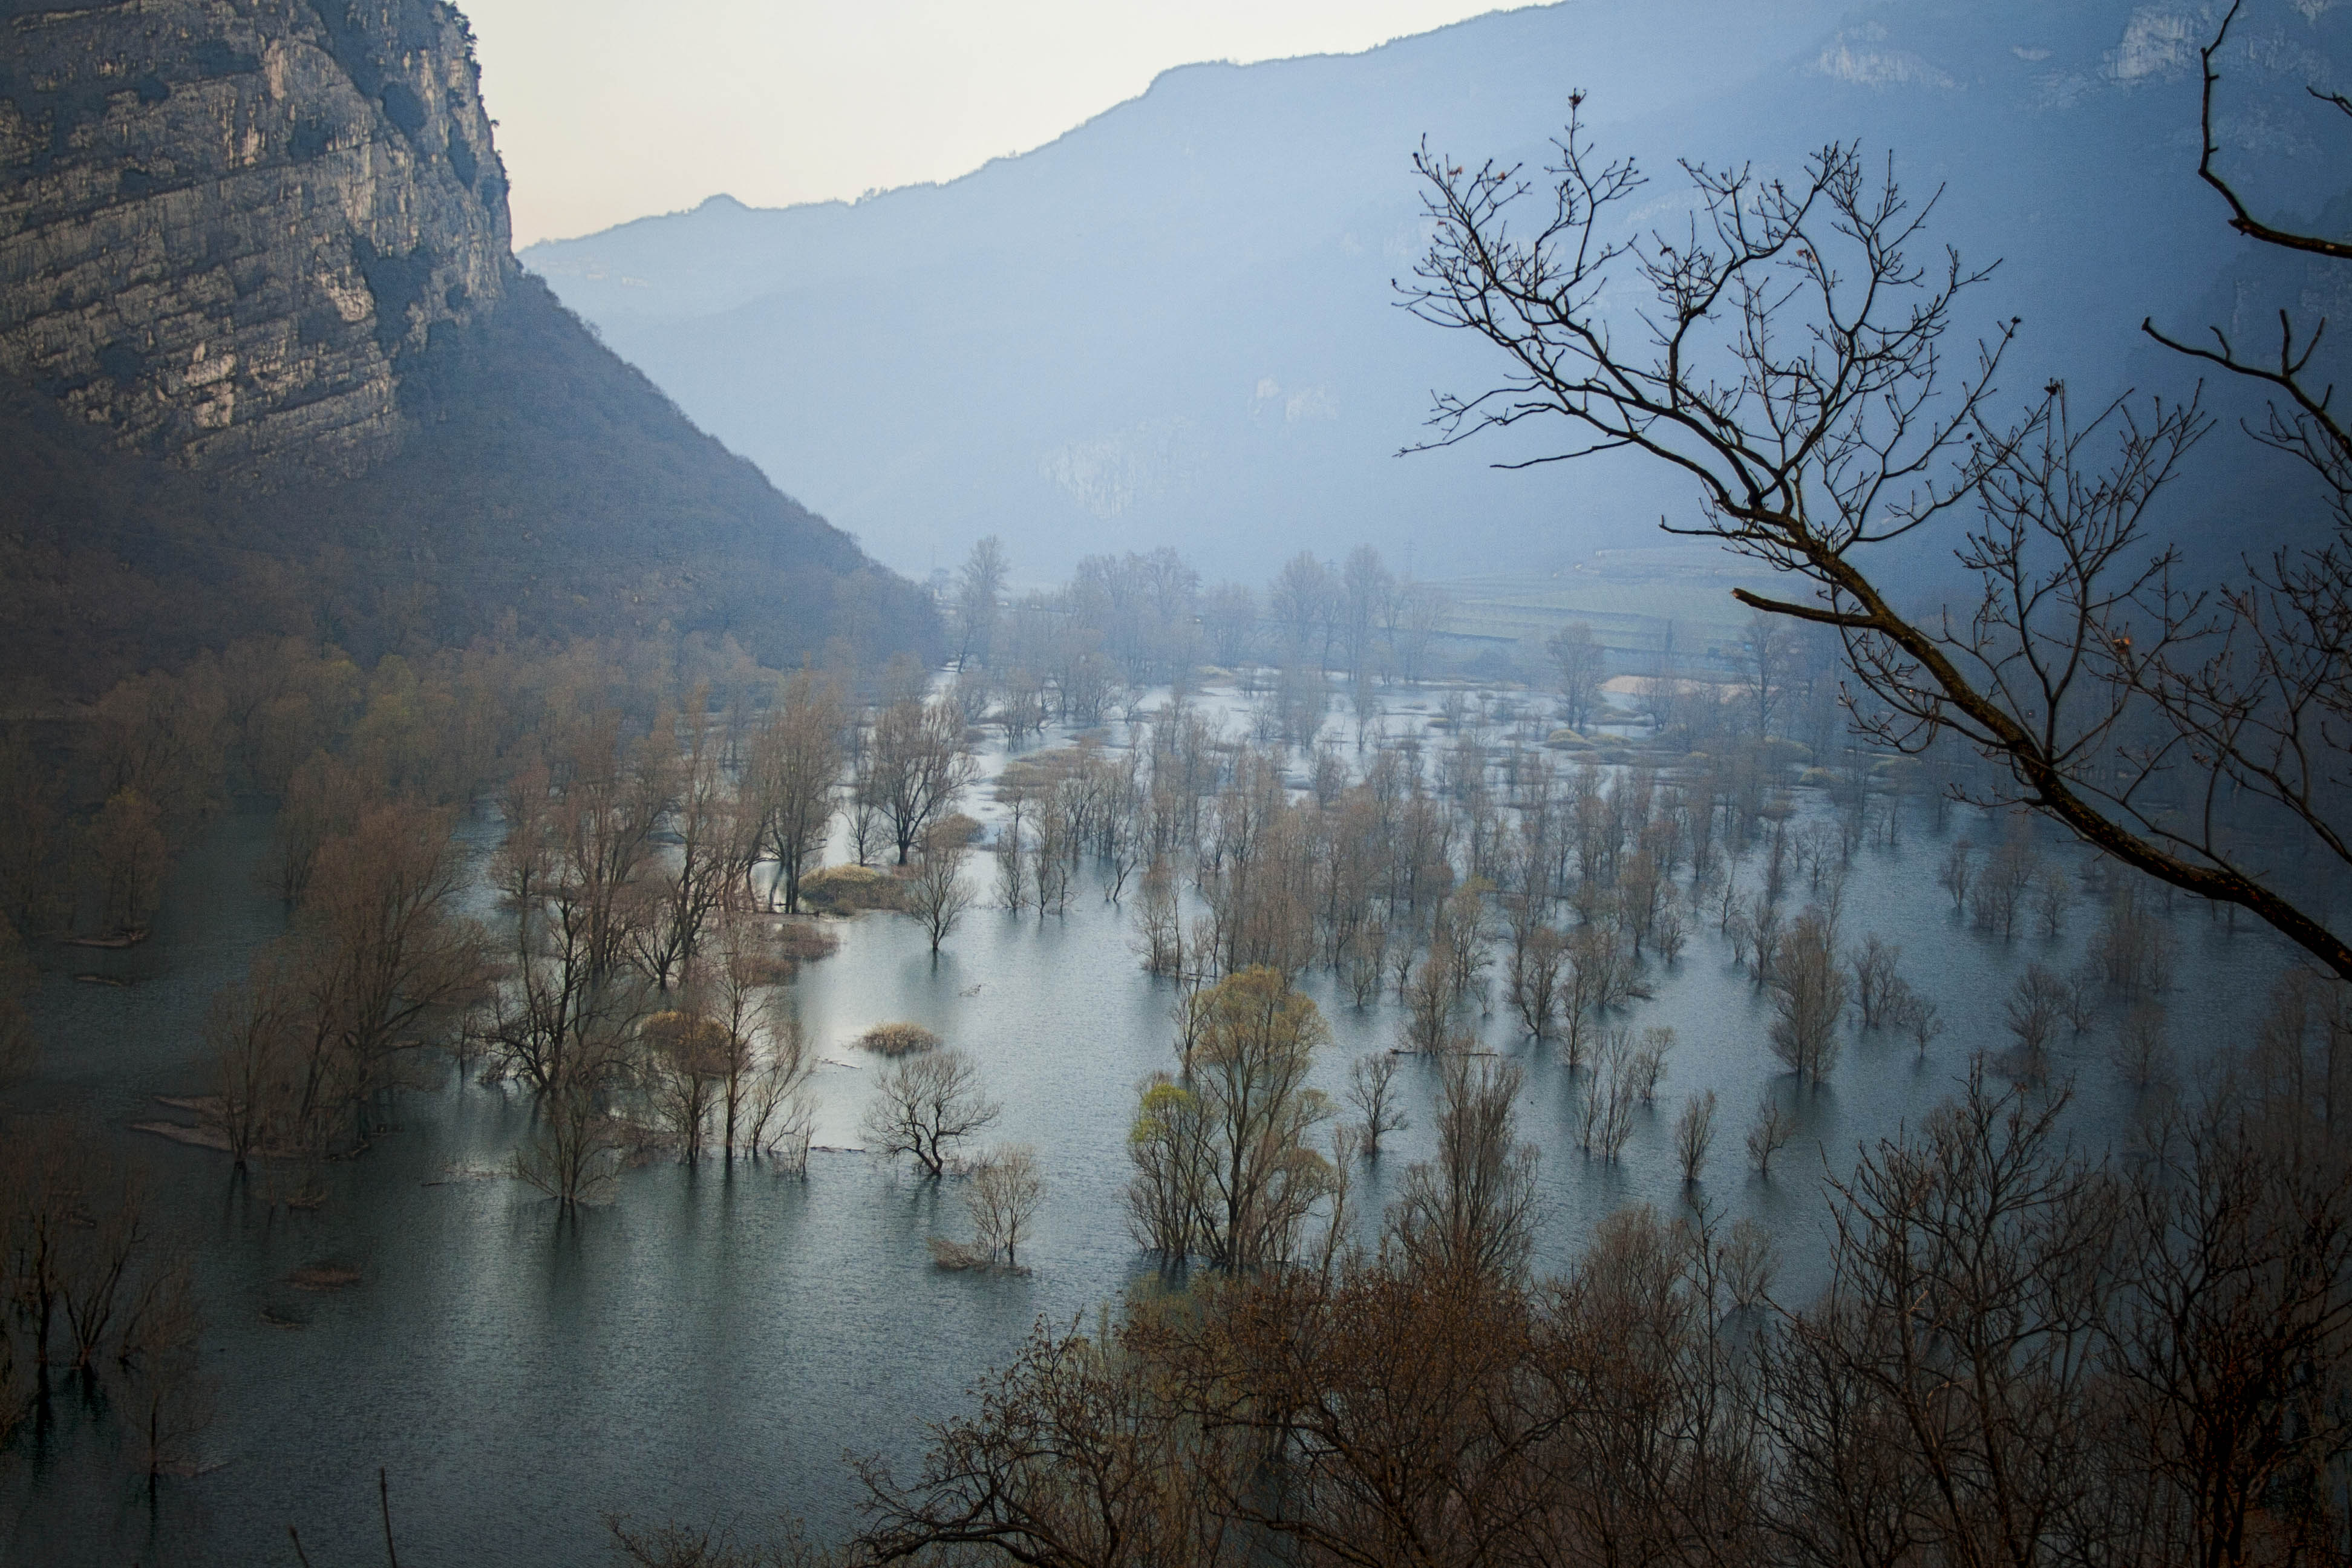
point(266, 360)
point(223, 223)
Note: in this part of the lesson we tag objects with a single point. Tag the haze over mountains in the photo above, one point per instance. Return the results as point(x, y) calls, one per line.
point(1176, 322)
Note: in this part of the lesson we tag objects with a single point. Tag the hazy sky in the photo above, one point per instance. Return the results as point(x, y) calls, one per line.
point(609, 109)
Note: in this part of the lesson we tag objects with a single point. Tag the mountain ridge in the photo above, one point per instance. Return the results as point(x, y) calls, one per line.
point(1173, 325)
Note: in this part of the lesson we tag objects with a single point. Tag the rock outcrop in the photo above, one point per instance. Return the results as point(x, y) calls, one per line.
point(267, 362)
point(224, 223)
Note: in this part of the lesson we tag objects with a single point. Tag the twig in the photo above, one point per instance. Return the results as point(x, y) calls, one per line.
point(383, 1496)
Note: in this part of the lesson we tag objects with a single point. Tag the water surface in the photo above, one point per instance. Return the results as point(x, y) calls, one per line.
point(709, 1344)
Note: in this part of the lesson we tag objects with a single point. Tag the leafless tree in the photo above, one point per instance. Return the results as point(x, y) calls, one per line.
point(95, 1289)
point(567, 875)
point(1647, 1068)
point(1604, 1115)
point(159, 1359)
point(1582, 665)
point(1224, 1167)
point(1606, 971)
point(1694, 1134)
point(379, 961)
point(926, 1104)
point(249, 1035)
point(936, 895)
point(323, 797)
point(130, 855)
point(1366, 588)
point(2256, 680)
point(574, 1152)
point(979, 601)
point(1229, 618)
point(1997, 898)
point(688, 1060)
point(777, 1118)
point(735, 985)
point(1300, 602)
point(2142, 1051)
point(1970, 1267)
point(1808, 999)
point(1765, 654)
point(2051, 898)
point(2232, 1339)
point(1773, 1127)
point(2036, 1006)
point(1422, 608)
point(2133, 952)
point(1472, 1211)
point(712, 851)
point(1874, 979)
point(1430, 1002)
point(1916, 1016)
point(1004, 1196)
point(918, 767)
point(1371, 1090)
point(2020, 1357)
point(1170, 1145)
point(793, 778)
point(1792, 362)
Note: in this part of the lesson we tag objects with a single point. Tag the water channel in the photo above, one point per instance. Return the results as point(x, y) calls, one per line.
point(708, 1345)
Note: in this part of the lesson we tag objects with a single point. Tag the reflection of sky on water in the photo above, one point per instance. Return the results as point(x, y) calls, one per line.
point(707, 1346)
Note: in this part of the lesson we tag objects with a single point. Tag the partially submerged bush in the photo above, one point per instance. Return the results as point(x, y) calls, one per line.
point(957, 1258)
point(805, 942)
point(848, 889)
point(898, 1039)
point(953, 831)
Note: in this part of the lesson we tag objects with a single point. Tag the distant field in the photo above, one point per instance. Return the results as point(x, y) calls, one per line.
point(1631, 599)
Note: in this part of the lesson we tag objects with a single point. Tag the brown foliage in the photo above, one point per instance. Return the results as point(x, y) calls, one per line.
point(2022, 1358)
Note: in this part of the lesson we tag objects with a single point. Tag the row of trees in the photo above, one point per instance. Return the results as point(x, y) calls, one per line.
point(2024, 1354)
point(1138, 620)
point(1499, 879)
point(631, 981)
point(102, 801)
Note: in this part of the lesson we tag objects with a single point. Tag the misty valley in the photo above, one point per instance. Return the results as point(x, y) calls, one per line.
point(1443, 849)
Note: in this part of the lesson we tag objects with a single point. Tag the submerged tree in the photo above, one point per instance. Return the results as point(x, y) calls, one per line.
point(936, 895)
point(792, 781)
point(1224, 1168)
point(1005, 1191)
point(1810, 990)
point(916, 766)
point(1582, 664)
point(925, 1105)
point(1472, 1211)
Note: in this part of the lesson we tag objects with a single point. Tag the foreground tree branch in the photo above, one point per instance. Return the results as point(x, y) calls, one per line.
point(1785, 348)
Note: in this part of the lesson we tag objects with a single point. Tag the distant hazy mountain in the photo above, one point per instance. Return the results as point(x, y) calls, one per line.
point(1175, 323)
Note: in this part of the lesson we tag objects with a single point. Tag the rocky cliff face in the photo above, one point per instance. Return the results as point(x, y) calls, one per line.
point(268, 364)
point(226, 223)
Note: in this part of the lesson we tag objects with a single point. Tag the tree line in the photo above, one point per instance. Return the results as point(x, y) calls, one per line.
point(2026, 1352)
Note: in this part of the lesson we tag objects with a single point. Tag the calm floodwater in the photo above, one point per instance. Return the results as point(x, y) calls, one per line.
point(707, 1346)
